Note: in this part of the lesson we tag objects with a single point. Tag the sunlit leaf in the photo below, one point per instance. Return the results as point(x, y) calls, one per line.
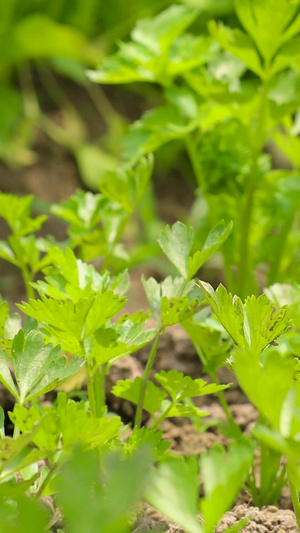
point(222, 475)
point(180, 386)
point(252, 325)
point(239, 44)
point(131, 390)
point(173, 490)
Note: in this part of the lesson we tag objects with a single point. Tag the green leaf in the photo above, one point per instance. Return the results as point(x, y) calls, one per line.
point(267, 384)
point(37, 36)
point(125, 66)
point(176, 242)
point(83, 210)
point(98, 487)
point(105, 306)
point(284, 294)
point(180, 386)
point(180, 409)
point(156, 291)
point(144, 435)
point(70, 323)
point(31, 359)
point(78, 426)
point(127, 186)
point(28, 250)
point(45, 422)
point(16, 453)
point(145, 57)
point(131, 390)
point(188, 52)
point(10, 108)
point(217, 235)
point(252, 325)
point(93, 163)
point(239, 44)
point(156, 128)
point(63, 320)
point(19, 513)
point(94, 221)
point(5, 375)
point(226, 68)
point(16, 212)
point(159, 33)
point(67, 425)
point(4, 315)
point(2, 422)
point(284, 91)
point(263, 322)
point(184, 99)
point(38, 368)
point(173, 490)
point(70, 277)
point(222, 474)
point(119, 340)
point(166, 301)
point(214, 7)
point(175, 310)
point(59, 371)
point(275, 441)
point(266, 22)
point(7, 253)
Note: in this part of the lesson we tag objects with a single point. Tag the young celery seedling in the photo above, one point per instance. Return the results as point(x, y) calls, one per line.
point(22, 248)
point(264, 375)
point(175, 300)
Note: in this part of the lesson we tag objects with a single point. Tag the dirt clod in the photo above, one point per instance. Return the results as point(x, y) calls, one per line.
point(267, 520)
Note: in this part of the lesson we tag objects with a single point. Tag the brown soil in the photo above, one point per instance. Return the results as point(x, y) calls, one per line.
point(267, 520)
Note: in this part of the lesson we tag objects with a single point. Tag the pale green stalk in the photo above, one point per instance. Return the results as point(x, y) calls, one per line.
point(294, 495)
point(149, 365)
point(244, 269)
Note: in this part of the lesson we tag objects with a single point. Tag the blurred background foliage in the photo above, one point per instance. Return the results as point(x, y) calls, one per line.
point(199, 83)
point(44, 45)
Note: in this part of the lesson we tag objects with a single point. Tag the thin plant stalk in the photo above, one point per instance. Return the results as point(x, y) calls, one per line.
point(45, 481)
point(278, 486)
point(91, 390)
point(264, 465)
point(149, 365)
point(294, 495)
point(99, 389)
point(230, 280)
point(164, 414)
point(194, 160)
point(252, 486)
point(27, 278)
point(95, 383)
point(112, 119)
point(276, 265)
point(17, 432)
point(220, 393)
point(109, 254)
point(244, 270)
point(90, 380)
point(223, 402)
